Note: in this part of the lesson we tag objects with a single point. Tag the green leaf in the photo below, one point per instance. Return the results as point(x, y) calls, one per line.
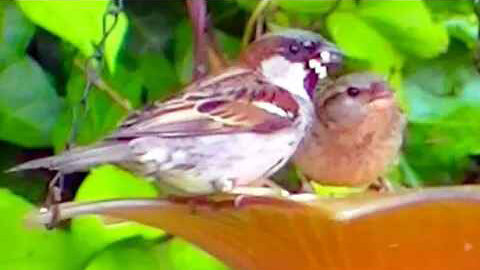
point(442, 101)
point(386, 32)
point(402, 175)
point(130, 254)
point(449, 8)
point(458, 17)
point(183, 52)
point(109, 182)
point(230, 45)
point(306, 6)
point(159, 76)
point(247, 4)
point(407, 24)
point(138, 254)
point(439, 151)
point(80, 23)
point(358, 44)
point(15, 33)
point(435, 88)
point(315, 7)
point(463, 28)
point(29, 106)
point(183, 255)
point(25, 246)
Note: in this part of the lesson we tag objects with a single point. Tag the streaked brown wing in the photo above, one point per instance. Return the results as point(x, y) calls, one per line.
point(235, 104)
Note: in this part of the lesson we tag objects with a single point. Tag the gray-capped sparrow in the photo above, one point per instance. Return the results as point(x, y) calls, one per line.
point(225, 131)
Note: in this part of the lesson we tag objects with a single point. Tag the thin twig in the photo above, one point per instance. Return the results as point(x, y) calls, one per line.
point(259, 26)
point(259, 9)
point(114, 10)
point(104, 87)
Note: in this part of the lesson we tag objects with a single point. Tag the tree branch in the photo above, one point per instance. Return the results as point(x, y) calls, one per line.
point(197, 10)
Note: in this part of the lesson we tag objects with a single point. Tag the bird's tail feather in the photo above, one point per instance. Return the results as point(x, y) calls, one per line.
point(79, 159)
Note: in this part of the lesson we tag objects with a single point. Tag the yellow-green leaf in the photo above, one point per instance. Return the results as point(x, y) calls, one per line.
point(78, 22)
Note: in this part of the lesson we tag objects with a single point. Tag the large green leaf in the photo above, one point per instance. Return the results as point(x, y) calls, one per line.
point(439, 150)
point(15, 33)
point(130, 254)
point(110, 182)
point(359, 44)
point(29, 106)
point(449, 7)
point(384, 33)
point(407, 25)
point(442, 101)
point(159, 76)
point(31, 248)
point(307, 6)
point(78, 22)
point(137, 253)
point(435, 88)
point(182, 255)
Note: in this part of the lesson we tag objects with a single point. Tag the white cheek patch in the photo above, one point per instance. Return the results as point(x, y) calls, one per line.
point(285, 74)
point(320, 69)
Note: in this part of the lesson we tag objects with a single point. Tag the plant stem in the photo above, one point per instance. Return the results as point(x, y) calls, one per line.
point(262, 5)
point(103, 86)
point(197, 11)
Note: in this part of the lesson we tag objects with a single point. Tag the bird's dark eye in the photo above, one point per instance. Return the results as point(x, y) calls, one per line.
point(294, 48)
point(308, 45)
point(353, 91)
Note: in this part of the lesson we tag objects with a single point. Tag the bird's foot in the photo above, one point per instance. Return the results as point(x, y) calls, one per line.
point(273, 190)
point(382, 185)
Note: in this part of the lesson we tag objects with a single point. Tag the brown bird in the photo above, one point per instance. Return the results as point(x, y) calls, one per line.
point(225, 131)
point(357, 133)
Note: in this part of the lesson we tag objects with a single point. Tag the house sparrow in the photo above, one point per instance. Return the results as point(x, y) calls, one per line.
point(357, 133)
point(226, 130)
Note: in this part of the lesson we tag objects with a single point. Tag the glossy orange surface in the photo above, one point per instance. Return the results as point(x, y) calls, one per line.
point(428, 229)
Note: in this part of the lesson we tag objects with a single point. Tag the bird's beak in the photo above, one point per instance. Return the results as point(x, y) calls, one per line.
point(331, 58)
point(326, 61)
point(379, 90)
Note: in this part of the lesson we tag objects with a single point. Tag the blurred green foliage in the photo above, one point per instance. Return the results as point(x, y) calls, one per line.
point(426, 48)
